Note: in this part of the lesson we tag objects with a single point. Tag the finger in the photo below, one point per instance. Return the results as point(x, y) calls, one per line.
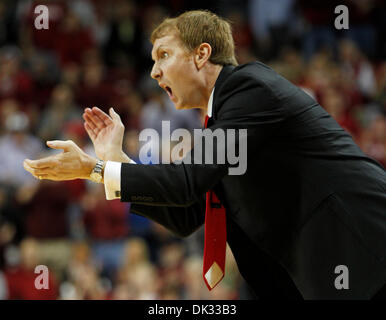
point(61, 145)
point(115, 116)
point(98, 117)
point(90, 123)
point(48, 177)
point(28, 167)
point(38, 173)
point(102, 116)
point(95, 131)
point(88, 118)
point(35, 172)
point(44, 170)
point(43, 177)
point(89, 131)
point(47, 162)
point(92, 119)
point(54, 177)
point(48, 173)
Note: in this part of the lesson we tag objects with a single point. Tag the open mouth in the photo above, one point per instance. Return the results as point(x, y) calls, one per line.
point(169, 91)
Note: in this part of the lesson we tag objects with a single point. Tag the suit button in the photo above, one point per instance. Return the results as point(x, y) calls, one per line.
point(142, 198)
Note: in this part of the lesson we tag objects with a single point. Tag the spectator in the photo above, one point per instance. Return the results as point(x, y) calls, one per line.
point(21, 279)
point(335, 104)
point(356, 66)
point(16, 145)
point(15, 82)
point(83, 281)
point(61, 109)
point(272, 25)
point(373, 140)
point(93, 88)
point(106, 226)
point(137, 271)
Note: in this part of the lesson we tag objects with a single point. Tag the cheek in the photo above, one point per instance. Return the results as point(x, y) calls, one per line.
point(186, 73)
point(181, 73)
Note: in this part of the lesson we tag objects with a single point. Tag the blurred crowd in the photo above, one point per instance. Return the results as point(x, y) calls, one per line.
point(97, 53)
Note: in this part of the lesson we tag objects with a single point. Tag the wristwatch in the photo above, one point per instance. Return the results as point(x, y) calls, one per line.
point(97, 173)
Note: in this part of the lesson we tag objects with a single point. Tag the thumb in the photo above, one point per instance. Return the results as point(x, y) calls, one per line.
point(59, 144)
point(115, 116)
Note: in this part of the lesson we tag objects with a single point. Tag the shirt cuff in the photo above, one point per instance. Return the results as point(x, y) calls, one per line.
point(112, 179)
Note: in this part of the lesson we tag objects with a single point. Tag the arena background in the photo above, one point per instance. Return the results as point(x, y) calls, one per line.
point(98, 53)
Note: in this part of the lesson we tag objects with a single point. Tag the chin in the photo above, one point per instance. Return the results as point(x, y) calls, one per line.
point(182, 106)
point(178, 107)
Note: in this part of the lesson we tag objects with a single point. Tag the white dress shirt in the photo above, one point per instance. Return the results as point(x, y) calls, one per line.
point(112, 174)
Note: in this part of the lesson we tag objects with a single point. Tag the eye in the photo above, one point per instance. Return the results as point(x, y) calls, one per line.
point(164, 54)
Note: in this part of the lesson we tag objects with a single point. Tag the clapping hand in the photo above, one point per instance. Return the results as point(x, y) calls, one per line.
point(106, 133)
point(72, 163)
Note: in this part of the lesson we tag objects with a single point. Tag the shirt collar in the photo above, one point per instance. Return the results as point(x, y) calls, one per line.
point(210, 104)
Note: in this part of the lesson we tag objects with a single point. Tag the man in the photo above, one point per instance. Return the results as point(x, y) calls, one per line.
point(310, 202)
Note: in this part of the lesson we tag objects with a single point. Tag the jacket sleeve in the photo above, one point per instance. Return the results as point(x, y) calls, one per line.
point(244, 104)
point(182, 221)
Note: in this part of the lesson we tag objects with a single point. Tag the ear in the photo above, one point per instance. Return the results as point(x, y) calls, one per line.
point(202, 55)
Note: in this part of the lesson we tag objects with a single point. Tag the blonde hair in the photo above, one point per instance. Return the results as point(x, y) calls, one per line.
point(199, 26)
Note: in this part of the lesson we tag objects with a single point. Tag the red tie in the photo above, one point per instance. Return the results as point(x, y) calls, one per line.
point(215, 239)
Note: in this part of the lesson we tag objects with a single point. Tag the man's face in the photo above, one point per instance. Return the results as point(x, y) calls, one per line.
point(176, 72)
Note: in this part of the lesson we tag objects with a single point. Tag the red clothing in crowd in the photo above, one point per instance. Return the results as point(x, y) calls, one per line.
point(107, 220)
point(47, 211)
point(71, 46)
point(18, 86)
point(21, 285)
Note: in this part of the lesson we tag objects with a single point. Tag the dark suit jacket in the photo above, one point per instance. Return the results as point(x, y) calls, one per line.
point(309, 201)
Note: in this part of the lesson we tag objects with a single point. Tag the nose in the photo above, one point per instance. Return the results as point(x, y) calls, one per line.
point(156, 72)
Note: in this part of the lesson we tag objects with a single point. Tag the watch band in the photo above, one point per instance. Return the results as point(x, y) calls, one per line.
point(98, 166)
point(96, 173)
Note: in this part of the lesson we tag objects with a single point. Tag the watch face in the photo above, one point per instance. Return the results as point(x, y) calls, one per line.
point(96, 177)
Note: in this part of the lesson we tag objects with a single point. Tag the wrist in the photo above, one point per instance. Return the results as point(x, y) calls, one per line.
point(123, 157)
point(89, 165)
point(117, 156)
